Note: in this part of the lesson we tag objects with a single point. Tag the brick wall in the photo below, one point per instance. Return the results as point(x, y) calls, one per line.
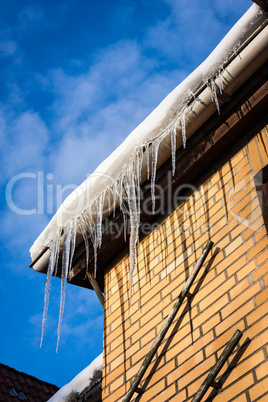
point(230, 292)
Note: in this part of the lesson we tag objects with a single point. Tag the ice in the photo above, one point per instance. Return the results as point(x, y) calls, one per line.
point(155, 147)
point(213, 88)
point(99, 219)
point(52, 267)
point(173, 148)
point(183, 129)
point(147, 160)
point(139, 158)
point(134, 224)
point(67, 254)
point(83, 230)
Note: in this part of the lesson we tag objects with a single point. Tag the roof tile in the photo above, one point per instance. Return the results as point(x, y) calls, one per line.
point(34, 389)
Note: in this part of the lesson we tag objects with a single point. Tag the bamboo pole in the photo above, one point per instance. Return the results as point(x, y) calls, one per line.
point(96, 287)
point(167, 323)
point(210, 379)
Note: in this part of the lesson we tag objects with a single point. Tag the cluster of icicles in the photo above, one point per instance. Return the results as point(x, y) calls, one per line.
point(125, 193)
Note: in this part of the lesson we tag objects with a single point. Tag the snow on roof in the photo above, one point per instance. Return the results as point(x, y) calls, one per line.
point(86, 379)
point(157, 124)
point(116, 182)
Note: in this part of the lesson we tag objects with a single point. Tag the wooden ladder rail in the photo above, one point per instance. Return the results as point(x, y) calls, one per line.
point(184, 293)
point(210, 379)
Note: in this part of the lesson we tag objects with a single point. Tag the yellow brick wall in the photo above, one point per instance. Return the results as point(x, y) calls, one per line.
point(230, 292)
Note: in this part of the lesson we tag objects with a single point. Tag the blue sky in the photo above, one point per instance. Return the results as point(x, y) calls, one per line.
point(77, 76)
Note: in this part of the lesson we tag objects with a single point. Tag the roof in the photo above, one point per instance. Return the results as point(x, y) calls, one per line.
point(78, 228)
point(18, 386)
point(154, 132)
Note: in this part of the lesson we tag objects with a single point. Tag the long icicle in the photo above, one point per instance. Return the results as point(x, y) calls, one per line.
point(82, 227)
point(173, 148)
point(153, 174)
point(134, 225)
point(67, 245)
point(183, 129)
point(53, 260)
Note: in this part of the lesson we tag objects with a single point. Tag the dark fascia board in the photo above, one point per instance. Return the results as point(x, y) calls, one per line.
point(262, 3)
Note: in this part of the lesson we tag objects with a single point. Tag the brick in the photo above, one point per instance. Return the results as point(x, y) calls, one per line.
point(184, 380)
point(180, 396)
point(262, 370)
point(217, 293)
point(211, 323)
point(234, 318)
point(259, 389)
point(226, 262)
point(254, 156)
point(223, 339)
point(262, 297)
point(240, 398)
point(251, 230)
point(160, 373)
point(246, 270)
point(245, 367)
point(263, 147)
point(153, 391)
point(193, 361)
point(239, 288)
point(117, 383)
point(257, 313)
point(258, 248)
point(167, 393)
point(214, 308)
point(195, 385)
point(240, 300)
point(258, 329)
point(236, 388)
point(264, 399)
point(185, 348)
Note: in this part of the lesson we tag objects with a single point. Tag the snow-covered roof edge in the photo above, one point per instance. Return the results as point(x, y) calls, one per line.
point(85, 379)
point(116, 182)
point(158, 124)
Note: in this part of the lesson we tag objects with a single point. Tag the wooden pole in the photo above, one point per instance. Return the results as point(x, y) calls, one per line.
point(96, 287)
point(210, 379)
point(167, 324)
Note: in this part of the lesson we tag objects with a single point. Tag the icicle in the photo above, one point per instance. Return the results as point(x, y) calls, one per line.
point(125, 226)
point(66, 262)
point(109, 200)
point(219, 76)
point(52, 266)
point(95, 235)
point(134, 225)
point(153, 174)
point(82, 227)
point(114, 196)
point(213, 91)
point(183, 130)
point(191, 94)
point(138, 167)
point(173, 148)
point(99, 219)
point(147, 160)
point(121, 191)
point(73, 241)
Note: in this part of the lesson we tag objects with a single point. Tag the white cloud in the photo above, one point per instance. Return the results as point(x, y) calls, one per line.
point(7, 48)
point(25, 138)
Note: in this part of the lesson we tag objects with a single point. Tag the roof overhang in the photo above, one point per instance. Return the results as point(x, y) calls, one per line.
point(209, 135)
